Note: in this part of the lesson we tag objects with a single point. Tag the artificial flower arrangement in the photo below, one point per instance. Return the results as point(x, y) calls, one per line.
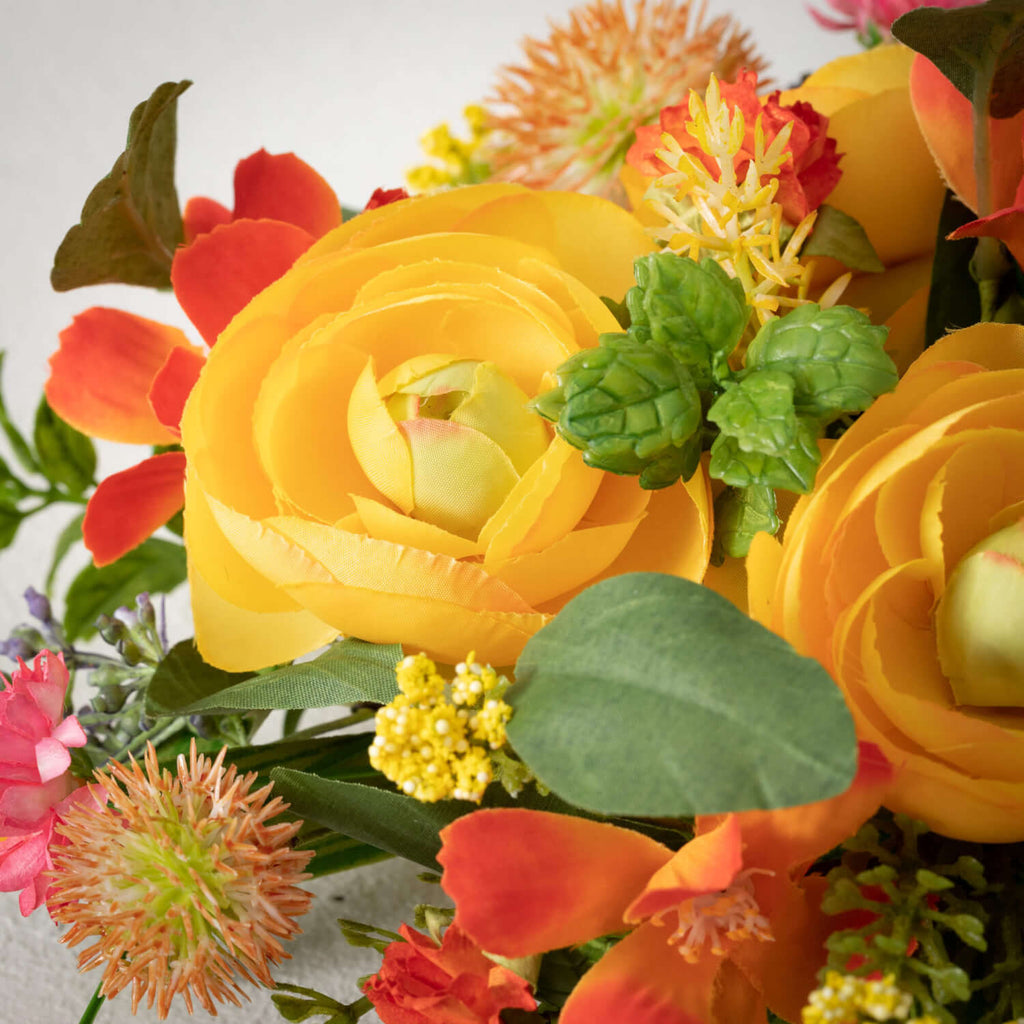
point(646, 496)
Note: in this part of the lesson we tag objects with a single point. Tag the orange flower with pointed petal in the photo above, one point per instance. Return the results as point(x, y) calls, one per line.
point(124, 378)
point(716, 931)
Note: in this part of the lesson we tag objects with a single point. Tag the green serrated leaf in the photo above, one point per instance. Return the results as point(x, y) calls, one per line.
point(183, 678)
point(66, 456)
point(835, 357)
point(792, 471)
point(643, 680)
point(20, 447)
point(840, 236)
point(962, 43)
point(155, 566)
point(66, 540)
point(740, 513)
point(348, 672)
point(131, 222)
point(694, 311)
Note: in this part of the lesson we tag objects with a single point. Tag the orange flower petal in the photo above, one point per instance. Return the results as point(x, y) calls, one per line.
point(128, 506)
point(101, 375)
point(220, 272)
point(283, 187)
point(1006, 225)
point(201, 216)
point(528, 881)
point(173, 384)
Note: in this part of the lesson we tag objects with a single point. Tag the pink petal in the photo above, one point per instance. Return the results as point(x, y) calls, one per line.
point(52, 759)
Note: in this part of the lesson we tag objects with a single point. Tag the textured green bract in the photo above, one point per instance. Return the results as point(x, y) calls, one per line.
point(155, 566)
point(654, 670)
point(758, 411)
point(793, 471)
point(629, 407)
point(66, 456)
point(741, 512)
point(840, 236)
point(694, 311)
point(986, 37)
point(348, 672)
point(835, 357)
point(131, 222)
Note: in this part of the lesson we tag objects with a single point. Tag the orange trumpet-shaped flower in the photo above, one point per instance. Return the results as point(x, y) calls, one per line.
point(123, 378)
point(716, 930)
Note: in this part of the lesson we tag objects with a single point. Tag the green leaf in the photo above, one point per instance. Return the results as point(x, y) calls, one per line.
point(694, 311)
point(758, 411)
point(953, 299)
point(741, 512)
point(155, 566)
point(334, 852)
point(66, 540)
point(654, 696)
point(840, 236)
point(792, 471)
point(835, 357)
point(20, 447)
point(348, 672)
point(10, 520)
point(66, 456)
point(183, 679)
point(980, 40)
point(131, 223)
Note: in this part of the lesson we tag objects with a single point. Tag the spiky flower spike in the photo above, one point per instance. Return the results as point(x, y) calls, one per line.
point(179, 881)
point(566, 118)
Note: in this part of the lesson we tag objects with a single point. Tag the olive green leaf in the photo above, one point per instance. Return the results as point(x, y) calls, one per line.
point(840, 236)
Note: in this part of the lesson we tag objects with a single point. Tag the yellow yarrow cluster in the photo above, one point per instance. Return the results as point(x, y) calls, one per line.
point(735, 222)
point(845, 999)
point(459, 158)
point(434, 740)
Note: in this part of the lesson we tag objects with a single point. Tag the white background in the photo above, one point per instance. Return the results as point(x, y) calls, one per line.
point(348, 86)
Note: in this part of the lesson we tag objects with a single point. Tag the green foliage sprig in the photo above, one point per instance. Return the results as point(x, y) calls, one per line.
point(650, 400)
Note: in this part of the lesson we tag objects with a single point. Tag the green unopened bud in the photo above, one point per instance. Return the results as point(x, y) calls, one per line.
point(630, 408)
point(980, 622)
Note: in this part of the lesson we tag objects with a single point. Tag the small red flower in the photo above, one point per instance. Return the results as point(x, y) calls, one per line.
point(454, 983)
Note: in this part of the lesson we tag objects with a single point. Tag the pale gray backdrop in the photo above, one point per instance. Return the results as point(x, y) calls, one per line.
point(349, 87)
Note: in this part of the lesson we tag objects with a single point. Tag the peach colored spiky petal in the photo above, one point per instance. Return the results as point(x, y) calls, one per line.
point(566, 117)
point(179, 882)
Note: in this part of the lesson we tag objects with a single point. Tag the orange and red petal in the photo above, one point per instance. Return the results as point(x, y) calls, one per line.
point(220, 272)
point(128, 506)
point(172, 385)
point(1006, 225)
point(201, 216)
point(101, 374)
point(283, 187)
point(525, 881)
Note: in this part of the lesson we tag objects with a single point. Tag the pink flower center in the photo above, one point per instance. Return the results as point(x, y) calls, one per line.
point(711, 920)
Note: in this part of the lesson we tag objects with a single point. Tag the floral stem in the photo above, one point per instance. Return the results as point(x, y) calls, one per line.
point(94, 1006)
point(338, 723)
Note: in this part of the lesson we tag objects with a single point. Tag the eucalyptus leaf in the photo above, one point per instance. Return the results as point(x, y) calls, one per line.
point(840, 236)
point(66, 456)
point(350, 671)
point(970, 42)
point(155, 566)
point(131, 222)
point(651, 695)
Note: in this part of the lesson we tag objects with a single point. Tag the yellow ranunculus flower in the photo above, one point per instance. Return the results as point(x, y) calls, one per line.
point(360, 459)
point(926, 476)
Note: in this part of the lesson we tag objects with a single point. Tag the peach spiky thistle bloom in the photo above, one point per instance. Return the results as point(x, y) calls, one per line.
point(565, 119)
point(179, 881)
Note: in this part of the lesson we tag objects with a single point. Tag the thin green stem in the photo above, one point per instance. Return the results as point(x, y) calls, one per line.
point(94, 1006)
point(338, 723)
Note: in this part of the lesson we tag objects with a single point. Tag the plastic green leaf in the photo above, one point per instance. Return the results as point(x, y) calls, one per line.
point(651, 695)
point(66, 456)
point(758, 411)
point(982, 40)
point(155, 566)
point(629, 408)
point(66, 540)
point(694, 311)
point(793, 471)
point(953, 297)
point(840, 236)
point(741, 512)
point(835, 357)
point(183, 679)
point(20, 447)
point(131, 222)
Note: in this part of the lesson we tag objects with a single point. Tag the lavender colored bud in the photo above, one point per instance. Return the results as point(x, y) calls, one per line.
point(15, 647)
point(39, 606)
point(127, 616)
point(146, 611)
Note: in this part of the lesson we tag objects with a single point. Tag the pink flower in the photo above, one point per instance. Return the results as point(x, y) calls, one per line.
point(35, 785)
point(862, 15)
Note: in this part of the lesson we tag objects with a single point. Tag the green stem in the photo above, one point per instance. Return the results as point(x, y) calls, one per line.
point(94, 1006)
point(338, 723)
point(156, 736)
